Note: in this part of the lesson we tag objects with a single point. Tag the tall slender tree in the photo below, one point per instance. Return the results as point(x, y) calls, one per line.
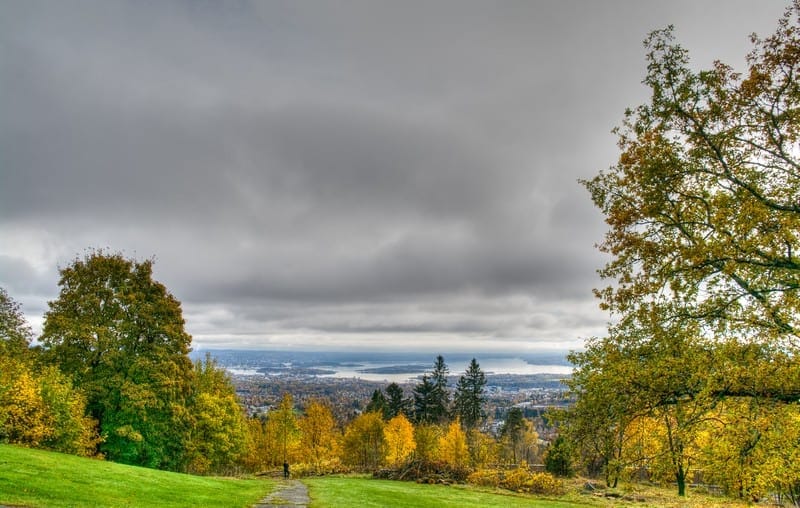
point(439, 379)
point(431, 397)
point(283, 422)
point(425, 401)
point(470, 396)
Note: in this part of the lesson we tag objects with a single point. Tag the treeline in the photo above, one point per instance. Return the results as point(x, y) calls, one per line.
point(394, 430)
point(111, 377)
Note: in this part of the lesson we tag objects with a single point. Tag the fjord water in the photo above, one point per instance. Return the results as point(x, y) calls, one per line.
point(387, 367)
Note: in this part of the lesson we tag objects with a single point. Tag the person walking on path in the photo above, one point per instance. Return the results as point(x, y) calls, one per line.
point(286, 470)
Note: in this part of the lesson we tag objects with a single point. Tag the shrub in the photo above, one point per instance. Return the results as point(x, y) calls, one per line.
point(520, 479)
point(517, 479)
point(485, 478)
point(545, 483)
point(558, 459)
point(333, 466)
point(423, 471)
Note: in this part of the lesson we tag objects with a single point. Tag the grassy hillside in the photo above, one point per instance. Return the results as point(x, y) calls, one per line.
point(351, 491)
point(337, 491)
point(41, 479)
point(35, 478)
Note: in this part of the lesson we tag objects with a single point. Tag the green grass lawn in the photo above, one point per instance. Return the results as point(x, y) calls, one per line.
point(347, 491)
point(358, 491)
point(37, 478)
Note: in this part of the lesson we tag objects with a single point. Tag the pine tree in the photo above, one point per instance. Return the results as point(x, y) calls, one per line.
point(397, 404)
point(469, 397)
point(378, 404)
point(441, 396)
point(558, 459)
point(425, 407)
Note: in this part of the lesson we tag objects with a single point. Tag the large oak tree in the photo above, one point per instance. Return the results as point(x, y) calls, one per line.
point(120, 335)
point(703, 209)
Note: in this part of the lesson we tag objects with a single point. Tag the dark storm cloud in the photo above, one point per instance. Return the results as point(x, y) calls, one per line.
point(349, 173)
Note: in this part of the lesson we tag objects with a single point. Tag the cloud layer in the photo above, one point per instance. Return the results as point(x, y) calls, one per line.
point(332, 175)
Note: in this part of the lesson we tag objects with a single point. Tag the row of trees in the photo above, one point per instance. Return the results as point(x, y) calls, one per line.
point(431, 399)
point(111, 377)
point(700, 367)
point(374, 439)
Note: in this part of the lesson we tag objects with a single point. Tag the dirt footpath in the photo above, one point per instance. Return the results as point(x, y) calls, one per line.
point(290, 494)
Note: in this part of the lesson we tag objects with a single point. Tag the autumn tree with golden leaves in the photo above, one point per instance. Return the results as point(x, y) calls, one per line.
point(703, 209)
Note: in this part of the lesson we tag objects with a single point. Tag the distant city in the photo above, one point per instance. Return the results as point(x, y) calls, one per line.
point(399, 367)
point(530, 381)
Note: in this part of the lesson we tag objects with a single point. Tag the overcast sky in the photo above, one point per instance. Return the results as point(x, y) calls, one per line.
point(337, 174)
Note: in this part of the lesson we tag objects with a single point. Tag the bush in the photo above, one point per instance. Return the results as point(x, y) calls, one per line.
point(423, 471)
point(517, 479)
point(334, 466)
point(558, 459)
point(520, 479)
point(545, 483)
point(485, 478)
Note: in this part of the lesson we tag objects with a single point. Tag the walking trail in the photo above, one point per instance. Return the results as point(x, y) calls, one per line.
point(289, 494)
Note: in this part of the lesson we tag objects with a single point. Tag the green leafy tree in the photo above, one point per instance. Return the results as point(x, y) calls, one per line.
point(702, 206)
point(482, 448)
point(73, 431)
point(15, 334)
point(470, 396)
point(426, 439)
point(558, 459)
point(663, 374)
point(121, 336)
point(598, 421)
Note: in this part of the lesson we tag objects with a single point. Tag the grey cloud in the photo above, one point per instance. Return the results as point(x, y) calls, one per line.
point(334, 171)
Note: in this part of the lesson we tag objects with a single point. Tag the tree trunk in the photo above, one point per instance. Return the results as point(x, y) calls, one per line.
point(680, 476)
